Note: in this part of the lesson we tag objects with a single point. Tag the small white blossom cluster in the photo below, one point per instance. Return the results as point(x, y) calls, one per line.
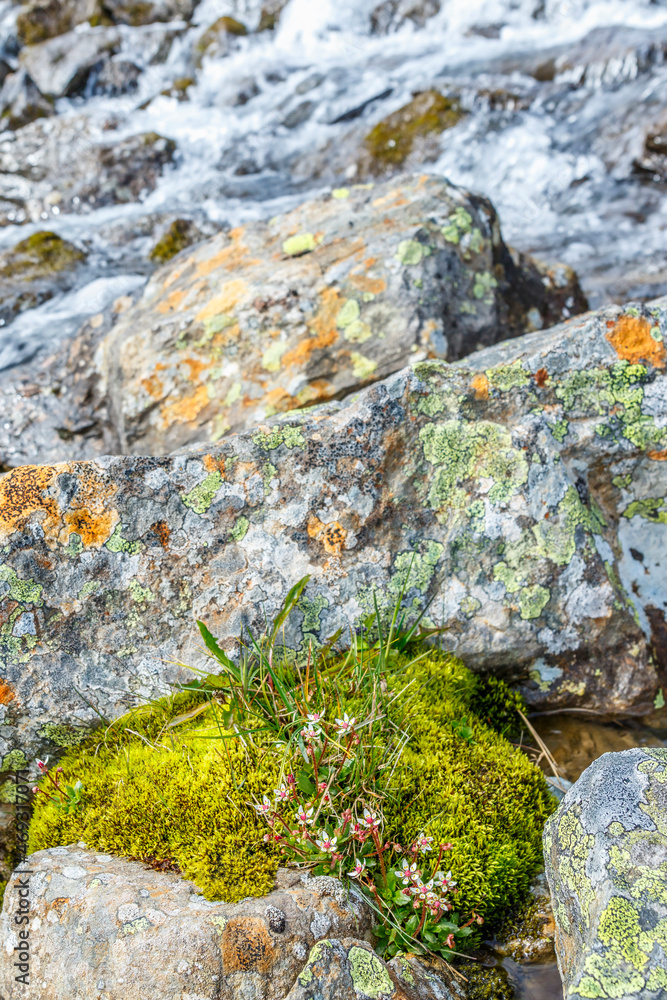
point(433, 893)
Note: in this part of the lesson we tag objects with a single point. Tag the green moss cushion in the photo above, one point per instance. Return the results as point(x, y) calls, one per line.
point(165, 793)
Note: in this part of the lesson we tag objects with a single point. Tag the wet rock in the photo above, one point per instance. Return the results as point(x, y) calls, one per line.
point(71, 164)
point(60, 66)
point(138, 12)
point(181, 234)
point(652, 163)
point(218, 39)
point(21, 102)
point(51, 405)
point(317, 302)
point(394, 14)
point(606, 855)
point(43, 19)
point(404, 139)
point(511, 486)
point(349, 969)
point(33, 271)
point(270, 14)
point(196, 947)
point(114, 77)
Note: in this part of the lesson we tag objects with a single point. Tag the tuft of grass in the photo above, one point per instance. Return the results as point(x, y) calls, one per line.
point(174, 782)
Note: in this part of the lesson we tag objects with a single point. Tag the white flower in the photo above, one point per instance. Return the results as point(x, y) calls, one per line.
point(310, 732)
point(264, 807)
point(304, 816)
point(357, 870)
point(316, 717)
point(326, 843)
point(408, 873)
point(371, 819)
point(345, 725)
point(424, 843)
point(281, 794)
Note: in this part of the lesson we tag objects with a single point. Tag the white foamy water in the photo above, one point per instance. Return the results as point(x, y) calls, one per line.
point(555, 157)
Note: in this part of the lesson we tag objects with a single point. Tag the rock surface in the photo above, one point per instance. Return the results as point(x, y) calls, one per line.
point(21, 102)
point(60, 66)
point(34, 270)
point(75, 166)
point(523, 488)
point(606, 861)
point(94, 919)
point(42, 19)
point(335, 294)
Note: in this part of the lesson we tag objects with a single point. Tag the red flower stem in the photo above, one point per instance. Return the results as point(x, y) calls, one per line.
point(421, 922)
point(378, 848)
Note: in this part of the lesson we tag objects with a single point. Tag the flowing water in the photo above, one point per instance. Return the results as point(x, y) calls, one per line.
point(559, 95)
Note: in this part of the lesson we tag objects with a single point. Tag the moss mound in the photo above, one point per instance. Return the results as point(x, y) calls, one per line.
point(156, 788)
point(391, 141)
point(39, 256)
point(181, 233)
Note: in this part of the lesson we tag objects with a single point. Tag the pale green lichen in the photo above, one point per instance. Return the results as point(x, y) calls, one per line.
point(200, 498)
point(270, 360)
point(532, 601)
point(119, 544)
point(459, 222)
point(63, 736)
point(240, 528)
point(411, 252)
point(317, 952)
point(506, 377)
point(141, 595)
point(295, 246)
point(460, 451)
point(652, 509)
point(25, 591)
point(289, 435)
point(484, 285)
point(15, 760)
point(362, 367)
point(370, 978)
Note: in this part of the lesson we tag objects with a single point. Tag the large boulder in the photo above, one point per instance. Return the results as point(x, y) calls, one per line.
point(39, 20)
point(606, 858)
point(104, 926)
point(34, 270)
point(522, 490)
point(337, 293)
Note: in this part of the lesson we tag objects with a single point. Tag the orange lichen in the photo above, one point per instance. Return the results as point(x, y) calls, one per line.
point(163, 532)
point(23, 495)
point(214, 464)
point(172, 301)
point(658, 456)
point(230, 295)
point(6, 693)
point(331, 535)
point(247, 946)
point(26, 493)
point(185, 410)
point(230, 257)
point(322, 327)
point(541, 377)
point(153, 386)
point(196, 366)
point(374, 286)
point(630, 336)
point(93, 528)
point(279, 399)
point(480, 384)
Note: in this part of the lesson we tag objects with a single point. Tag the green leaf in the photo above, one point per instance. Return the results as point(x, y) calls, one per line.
point(292, 597)
point(304, 784)
point(219, 654)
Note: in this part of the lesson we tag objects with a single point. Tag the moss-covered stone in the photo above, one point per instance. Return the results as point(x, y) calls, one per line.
point(390, 142)
point(182, 233)
point(156, 793)
point(38, 256)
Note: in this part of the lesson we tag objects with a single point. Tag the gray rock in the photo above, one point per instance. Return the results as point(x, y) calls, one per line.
point(147, 935)
point(21, 102)
point(350, 970)
point(73, 165)
point(42, 19)
point(113, 77)
point(390, 15)
point(137, 12)
point(606, 858)
point(60, 66)
point(523, 488)
point(34, 270)
point(339, 292)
